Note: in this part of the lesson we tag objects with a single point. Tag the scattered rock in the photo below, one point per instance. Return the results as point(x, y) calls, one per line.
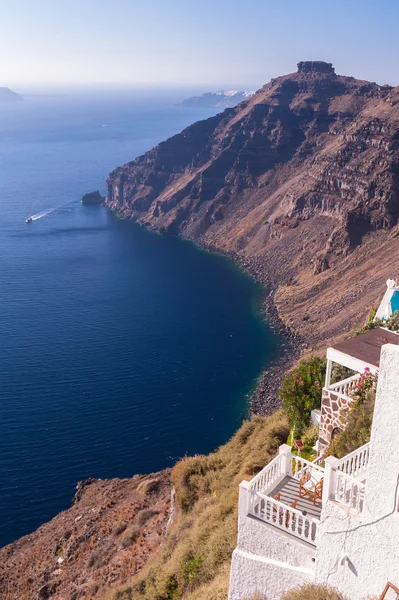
point(47, 590)
point(320, 264)
point(80, 488)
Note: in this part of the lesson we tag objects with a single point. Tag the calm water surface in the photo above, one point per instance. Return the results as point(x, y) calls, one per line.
point(120, 350)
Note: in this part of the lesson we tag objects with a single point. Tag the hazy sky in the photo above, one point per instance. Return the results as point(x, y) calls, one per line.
point(189, 42)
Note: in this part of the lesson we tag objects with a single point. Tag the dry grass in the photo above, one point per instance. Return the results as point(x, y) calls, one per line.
point(148, 487)
point(306, 592)
point(195, 558)
point(313, 592)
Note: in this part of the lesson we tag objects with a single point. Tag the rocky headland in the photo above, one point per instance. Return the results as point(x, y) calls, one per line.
point(299, 183)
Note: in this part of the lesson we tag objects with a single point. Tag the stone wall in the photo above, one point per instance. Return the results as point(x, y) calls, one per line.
point(332, 417)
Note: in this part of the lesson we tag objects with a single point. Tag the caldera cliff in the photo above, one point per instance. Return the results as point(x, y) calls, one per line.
point(300, 182)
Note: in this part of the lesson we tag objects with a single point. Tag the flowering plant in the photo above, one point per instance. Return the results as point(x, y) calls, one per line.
point(366, 382)
point(301, 391)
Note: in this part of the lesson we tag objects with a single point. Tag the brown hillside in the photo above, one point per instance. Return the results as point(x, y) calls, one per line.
point(301, 181)
point(108, 534)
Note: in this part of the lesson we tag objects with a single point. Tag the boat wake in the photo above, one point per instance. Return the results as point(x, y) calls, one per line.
point(43, 213)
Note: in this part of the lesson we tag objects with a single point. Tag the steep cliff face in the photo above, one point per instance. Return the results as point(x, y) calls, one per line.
point(297, 179)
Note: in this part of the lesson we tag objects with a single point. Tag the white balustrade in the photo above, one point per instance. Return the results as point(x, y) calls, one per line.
point(319, 461)
point(346, 387)
point(282, 516)
point(284, 464)
point(301, 466)
point(343, 483)
point(355, 463)
point(268, 475)
point(349, 492)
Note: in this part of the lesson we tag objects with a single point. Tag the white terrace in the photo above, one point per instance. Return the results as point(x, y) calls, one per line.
point(334, 522)
point(289, 492)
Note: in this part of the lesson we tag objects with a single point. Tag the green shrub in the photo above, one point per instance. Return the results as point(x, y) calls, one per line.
point(310, 435)
point(301, 392)
point(359, 419)
point(191, 570)
point(393, 322)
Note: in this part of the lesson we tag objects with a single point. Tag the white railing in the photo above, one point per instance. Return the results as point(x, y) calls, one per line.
point(348, 491)
point(268, 475)
point(345, 387)
point(300, 466)
point(283, 465)
point(283, 516)
point(355, 464)
point(318, 461)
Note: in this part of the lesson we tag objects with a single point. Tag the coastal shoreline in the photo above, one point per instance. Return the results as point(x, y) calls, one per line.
point(263, 399)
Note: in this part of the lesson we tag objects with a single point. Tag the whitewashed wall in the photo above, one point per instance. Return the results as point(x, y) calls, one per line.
point(268, 561)
point(359, 555)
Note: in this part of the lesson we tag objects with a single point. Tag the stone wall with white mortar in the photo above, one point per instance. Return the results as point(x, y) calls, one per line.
point(333, 410)
point(359, 555)
point(268, 561)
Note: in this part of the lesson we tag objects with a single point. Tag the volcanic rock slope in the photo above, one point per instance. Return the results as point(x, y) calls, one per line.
point(113, 527)
point(301, 181)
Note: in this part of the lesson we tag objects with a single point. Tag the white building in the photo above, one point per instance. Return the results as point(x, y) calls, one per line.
point(390, 302)
point(344, 529)
point(357, 354)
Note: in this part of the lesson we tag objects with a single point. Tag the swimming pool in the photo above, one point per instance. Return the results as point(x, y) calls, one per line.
point(395, 302)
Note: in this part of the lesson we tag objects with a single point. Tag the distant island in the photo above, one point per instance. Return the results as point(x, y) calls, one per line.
point(7, 95)
point(220, 99)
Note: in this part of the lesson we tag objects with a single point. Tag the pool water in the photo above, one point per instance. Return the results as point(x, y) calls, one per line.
point(395, 302)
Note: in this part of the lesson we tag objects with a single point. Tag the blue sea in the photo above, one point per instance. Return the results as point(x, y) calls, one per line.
point(121, 350)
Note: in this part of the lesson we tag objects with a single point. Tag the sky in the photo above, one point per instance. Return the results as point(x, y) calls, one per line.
point(193, 42)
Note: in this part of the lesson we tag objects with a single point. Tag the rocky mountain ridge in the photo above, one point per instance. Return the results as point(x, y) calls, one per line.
point(300, 182)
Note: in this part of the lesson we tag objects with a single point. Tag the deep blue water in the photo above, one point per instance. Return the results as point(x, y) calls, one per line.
point(120, 350)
